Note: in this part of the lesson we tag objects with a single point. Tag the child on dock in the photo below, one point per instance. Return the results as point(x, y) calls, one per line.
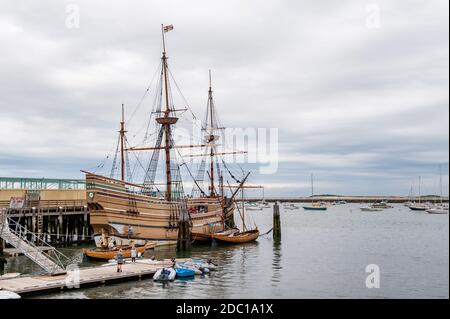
point(133, 254)
point(119, 258)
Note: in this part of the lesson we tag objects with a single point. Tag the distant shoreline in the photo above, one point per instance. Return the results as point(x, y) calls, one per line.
point(353, 199)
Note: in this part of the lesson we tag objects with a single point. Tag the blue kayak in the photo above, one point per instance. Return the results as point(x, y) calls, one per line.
point(183, 272)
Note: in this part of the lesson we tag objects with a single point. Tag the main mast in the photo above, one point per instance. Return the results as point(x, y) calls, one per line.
point(211, 138)
point(166, 121)
point(122, 145)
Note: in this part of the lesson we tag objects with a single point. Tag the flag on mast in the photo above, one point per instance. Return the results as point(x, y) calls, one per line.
point(168, 28)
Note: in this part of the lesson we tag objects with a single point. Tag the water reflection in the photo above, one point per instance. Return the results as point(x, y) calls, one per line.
point(315, 250)
point(276, 261)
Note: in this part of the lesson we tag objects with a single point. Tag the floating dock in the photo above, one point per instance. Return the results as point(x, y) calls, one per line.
point(89, 276)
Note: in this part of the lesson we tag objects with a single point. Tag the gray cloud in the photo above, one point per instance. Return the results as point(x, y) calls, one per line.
point(365, 109)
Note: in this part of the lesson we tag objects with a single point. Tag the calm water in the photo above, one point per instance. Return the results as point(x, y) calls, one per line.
point(321, 255)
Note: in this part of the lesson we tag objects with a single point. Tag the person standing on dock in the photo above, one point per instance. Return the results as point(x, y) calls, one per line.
point(119, 258)
point(133, 253)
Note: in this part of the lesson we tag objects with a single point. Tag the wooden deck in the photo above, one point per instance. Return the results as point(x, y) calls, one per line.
point(91, 276)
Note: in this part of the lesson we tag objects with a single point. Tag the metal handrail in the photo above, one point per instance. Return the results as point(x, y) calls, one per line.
point(58, 258)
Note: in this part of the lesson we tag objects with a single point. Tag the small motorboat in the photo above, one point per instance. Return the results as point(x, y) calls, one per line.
point(6, 294)
point(165, 274)
point(184, 272)
point(107, 254)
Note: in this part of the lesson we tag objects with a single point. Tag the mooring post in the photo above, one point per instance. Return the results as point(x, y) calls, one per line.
point(184, 229)
point(60, 226)
point(276, 221)
point(85, 224)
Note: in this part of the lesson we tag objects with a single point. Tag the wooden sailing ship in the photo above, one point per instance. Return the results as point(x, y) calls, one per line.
point(139, 212)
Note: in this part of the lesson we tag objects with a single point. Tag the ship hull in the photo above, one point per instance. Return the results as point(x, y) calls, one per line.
point(132, 217)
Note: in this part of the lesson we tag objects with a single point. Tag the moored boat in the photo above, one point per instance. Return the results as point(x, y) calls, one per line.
point(184, 272)
point(234, 235)
point(314, 206)
point(290, 206)
point(418, 207)
point(437, 210)
point(370, 209)
point(238, 237)
point(107, 254)
point(165, 274)
point(141, 211)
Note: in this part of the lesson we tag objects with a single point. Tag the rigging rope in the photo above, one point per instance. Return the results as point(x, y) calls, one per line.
point(231, 174)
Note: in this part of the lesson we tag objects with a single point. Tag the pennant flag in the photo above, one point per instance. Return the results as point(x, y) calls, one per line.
point(168, 28)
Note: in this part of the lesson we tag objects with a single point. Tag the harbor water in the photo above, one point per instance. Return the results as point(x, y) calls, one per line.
point(322, 254)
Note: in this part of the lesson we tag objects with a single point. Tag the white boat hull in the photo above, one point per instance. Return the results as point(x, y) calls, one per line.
point(437, 211)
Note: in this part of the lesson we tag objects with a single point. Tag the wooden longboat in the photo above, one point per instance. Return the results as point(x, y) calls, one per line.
point(106, 254)
point(237, 237)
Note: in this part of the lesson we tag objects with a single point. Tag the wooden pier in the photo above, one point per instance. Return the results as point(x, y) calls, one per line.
point(92, 276)
point(58, 216)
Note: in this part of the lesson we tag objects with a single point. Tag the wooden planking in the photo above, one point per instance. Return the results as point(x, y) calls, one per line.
point(88, 276)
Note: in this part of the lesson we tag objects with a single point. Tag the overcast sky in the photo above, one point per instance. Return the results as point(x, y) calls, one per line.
point(357, 89)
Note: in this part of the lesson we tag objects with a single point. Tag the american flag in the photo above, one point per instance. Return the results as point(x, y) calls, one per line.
point(168, 28)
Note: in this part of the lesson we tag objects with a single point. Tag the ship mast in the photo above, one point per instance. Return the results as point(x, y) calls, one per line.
point(211, 138)
point(166, 121)
point(122, 145)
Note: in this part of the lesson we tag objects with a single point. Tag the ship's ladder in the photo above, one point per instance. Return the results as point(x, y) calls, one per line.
point(46, 256)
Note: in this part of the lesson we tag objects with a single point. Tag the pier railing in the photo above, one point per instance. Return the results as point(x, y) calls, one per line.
point(50, 203)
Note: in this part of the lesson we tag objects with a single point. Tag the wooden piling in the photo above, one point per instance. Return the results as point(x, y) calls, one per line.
point(184, 229)
point(276, 221)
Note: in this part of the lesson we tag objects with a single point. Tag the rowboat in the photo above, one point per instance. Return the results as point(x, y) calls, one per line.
point(238, 237)
point(107, 254)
